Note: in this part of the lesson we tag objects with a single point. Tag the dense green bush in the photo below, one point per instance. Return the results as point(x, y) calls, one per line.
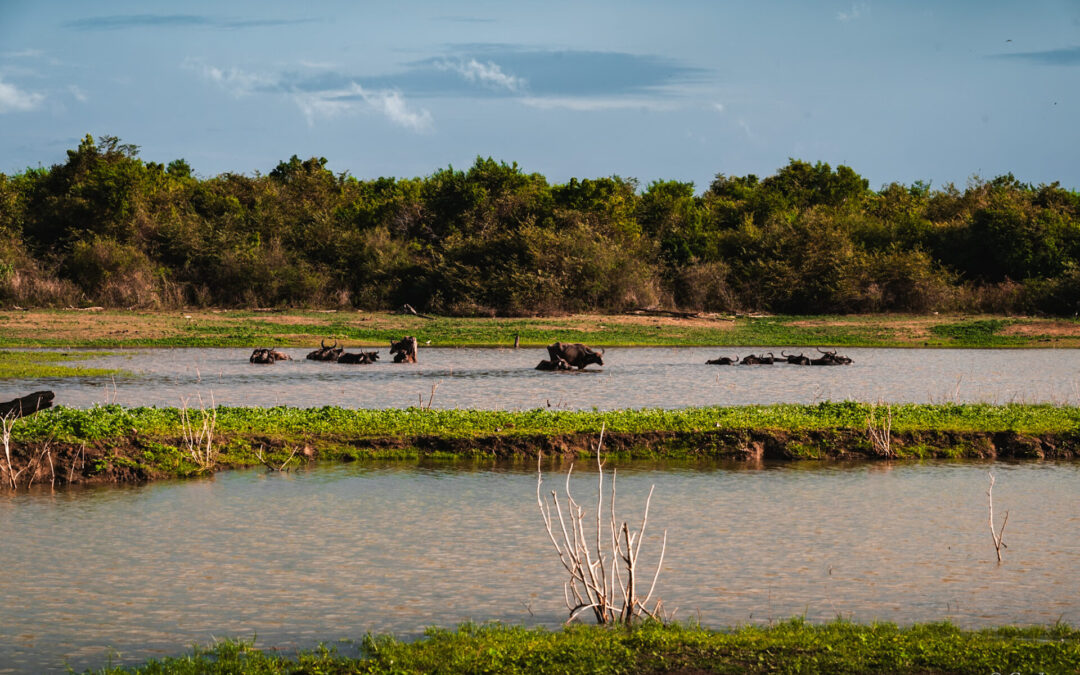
point(107, 228)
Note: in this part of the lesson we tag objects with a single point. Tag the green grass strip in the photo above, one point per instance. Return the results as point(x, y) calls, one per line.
point(791, 647)
point(37, 364)
point(113, 421)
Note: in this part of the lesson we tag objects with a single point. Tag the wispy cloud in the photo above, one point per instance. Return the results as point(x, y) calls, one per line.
point(857, 10)
point(1068, 56)
point(514, 71)
point(122, 21)
point(24, 54)
point(322, 97)
point(77, 93)
point(13, 99)
point(355, 99)
point(233, 80)
point(487, 74)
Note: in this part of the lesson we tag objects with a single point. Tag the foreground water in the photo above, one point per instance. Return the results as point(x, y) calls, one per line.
point(631, 378)
point(125, 574)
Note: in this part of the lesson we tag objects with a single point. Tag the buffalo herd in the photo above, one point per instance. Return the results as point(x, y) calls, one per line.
point(827, 358)
point(562, 356)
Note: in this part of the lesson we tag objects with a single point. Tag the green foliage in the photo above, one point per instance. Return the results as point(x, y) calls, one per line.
point(793, 646)
point(107, 228)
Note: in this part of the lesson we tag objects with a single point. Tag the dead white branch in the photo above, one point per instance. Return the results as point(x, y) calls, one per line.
point(605, 585)
point(994, 532)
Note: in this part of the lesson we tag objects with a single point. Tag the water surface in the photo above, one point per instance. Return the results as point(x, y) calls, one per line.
point(336, 551)
point(630, 378)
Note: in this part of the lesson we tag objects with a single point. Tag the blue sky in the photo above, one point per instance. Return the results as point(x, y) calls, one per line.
point(899, 91)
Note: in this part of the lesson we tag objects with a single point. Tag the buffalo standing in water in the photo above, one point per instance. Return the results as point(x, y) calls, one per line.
point(264, 355)
point(573, 354)
point(324, 353)
point(361, 358)
point(404, 350)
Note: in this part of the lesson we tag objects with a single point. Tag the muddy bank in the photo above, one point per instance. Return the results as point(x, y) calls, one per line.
point(135, 458)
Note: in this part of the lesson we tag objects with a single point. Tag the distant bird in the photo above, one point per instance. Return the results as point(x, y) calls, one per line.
point(1008, 41)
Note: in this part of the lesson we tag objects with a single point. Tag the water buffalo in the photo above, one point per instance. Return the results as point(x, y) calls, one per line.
point(723, 361)
point(361, 358)
point(761, 360)
point(264, 355)
point(559, 364)
point(404, 350)
point(830, 359)
point(799, 360)
point(324, 353)
point(576, 354)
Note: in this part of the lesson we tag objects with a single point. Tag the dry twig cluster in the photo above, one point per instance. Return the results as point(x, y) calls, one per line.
point(199, 435)
point(8, 474)
point(880, 432)
point(607, 586)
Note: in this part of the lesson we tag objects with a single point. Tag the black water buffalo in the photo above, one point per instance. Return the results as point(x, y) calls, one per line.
point(723, 361)
point(574, 353)
point(404, 350)
point(265, 355)
point(830, 359)
point(559, 364)
point(324, 353)
point(799, 360)
point(760, 360)
point(360, 358)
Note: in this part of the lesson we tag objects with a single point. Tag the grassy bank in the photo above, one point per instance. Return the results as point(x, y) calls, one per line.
point(113, 443)
point(33, 364)
point(221, 328)
point(790, 647)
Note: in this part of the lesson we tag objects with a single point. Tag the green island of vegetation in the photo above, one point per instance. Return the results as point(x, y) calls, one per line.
point(793, 646)
point(118, 444)
point(37, 364)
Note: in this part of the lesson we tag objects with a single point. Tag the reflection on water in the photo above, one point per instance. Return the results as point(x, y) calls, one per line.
point(337, 551)
point(631, 378)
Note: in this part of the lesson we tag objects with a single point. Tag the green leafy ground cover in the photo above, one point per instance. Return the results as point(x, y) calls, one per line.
point(110, 421)
point(35, 364)
point(114, 443)
point(789, 647)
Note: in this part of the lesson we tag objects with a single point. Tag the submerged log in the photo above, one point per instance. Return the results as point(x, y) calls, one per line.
point(27, 405)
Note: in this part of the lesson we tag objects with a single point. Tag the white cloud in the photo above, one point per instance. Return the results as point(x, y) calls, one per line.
point(488, 74)
point(322, 103)
point(857, 10)
point(13, 99)
point(78, 94)
point(718, 107)
point(233, 80)
point(389, 103)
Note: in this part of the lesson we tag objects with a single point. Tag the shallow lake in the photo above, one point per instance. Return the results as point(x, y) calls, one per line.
point(137, 572)
point(630, 378)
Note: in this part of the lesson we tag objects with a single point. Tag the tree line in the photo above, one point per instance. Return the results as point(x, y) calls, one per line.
point(107, 228)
